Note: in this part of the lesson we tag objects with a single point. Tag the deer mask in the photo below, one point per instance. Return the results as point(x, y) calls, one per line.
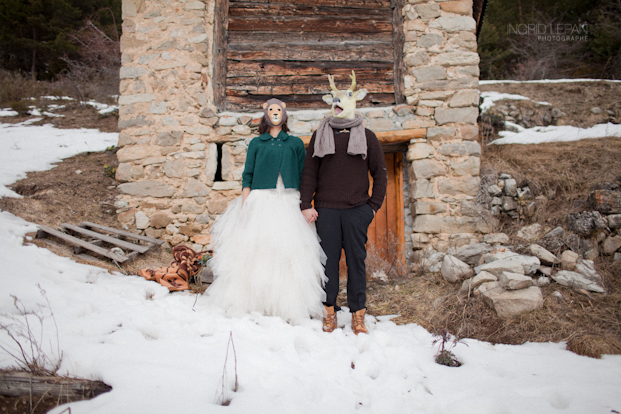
point(344, 102)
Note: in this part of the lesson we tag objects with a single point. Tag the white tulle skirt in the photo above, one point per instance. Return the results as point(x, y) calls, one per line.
point(267, 258)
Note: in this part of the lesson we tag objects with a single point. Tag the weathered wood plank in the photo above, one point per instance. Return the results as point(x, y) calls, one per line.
point(219, 53)
point(19, 383)
point(254, 102)
point(331, 53)
point(333, 3)
point(121, 232)
point(398, 35)
point(79, 242)
point(311, 24)
point(342, 70)
point(400, 206)
point(263, 87)
point(245, 36)
point(238, 10)
point(108, 239)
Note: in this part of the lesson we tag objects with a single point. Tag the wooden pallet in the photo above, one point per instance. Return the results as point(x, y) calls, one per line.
point(98, 240)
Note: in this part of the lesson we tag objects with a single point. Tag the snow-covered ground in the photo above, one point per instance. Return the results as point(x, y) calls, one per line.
point(540, 134)
point(166, 352)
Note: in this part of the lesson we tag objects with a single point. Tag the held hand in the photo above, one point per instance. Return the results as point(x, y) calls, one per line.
point(310, 214)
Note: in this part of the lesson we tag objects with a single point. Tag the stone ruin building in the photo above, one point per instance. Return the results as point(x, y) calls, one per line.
point(195, 72)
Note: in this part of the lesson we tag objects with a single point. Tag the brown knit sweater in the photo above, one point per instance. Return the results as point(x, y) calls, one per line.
point(341, 180)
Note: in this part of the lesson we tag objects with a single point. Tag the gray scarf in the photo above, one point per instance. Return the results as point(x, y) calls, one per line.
point(324, 138)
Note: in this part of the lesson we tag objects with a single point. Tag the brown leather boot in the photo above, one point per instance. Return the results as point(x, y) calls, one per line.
point(329, 319)
point(357, 322)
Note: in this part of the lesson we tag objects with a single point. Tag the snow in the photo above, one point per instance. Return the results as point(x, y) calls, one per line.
point(561, 133)
point(494, 82)
point(165, 352)
point(489, 98)
point(26, 148)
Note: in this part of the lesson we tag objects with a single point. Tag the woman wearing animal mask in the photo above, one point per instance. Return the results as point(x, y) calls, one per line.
point(267, 258)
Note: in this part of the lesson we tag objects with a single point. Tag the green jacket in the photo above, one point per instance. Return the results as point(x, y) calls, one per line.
point(268, 156)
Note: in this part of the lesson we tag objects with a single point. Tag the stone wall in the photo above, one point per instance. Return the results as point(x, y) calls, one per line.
point(172, 135)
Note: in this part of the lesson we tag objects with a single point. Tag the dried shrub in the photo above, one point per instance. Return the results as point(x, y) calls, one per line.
point(386, 262)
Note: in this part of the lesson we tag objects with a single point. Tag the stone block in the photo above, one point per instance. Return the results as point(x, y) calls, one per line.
point(469, 132)
point(128, 72)
point(169, 138)
point(498, 266)
point(472, 253)
point(466, 97)
point(381, 125)
point(194, 188)
point(226, 185)
point(513, 302)
point(454, 269)
point(546, 257)
point(174, 168)
point(569, 259)
point(460, 148)
point(471, 166)
point(419, 151)
point(514, 281)
point(508, 204)
point(428, 11)
point(418, 123)
point(124, 172)
point(456, 115)
point(428, 73)
point(428, 40)
point(147, 189)
point(454, 24)
point(419, 58)
point(463, 7)
point(456, 58)
point(430, 207)
point(422, 111)
point(455, 186)
point(449, 85)
point(427, 168)
point(423, 189)
point(137, 98)
point(436, 224)
point(496, 238)
point(137, 152)
point(402, 110)
point(439, 134)
point(160, 220)
point(138, 121)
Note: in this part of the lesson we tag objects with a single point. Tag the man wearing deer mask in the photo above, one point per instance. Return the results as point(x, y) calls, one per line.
point(340, 156)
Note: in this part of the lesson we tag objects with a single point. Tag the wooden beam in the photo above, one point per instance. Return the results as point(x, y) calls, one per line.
point(107, 239)
point(79, 242)
point(219, 53)
point(398, 43)
point(123, 233)
point(389, 137)
point(16, 384)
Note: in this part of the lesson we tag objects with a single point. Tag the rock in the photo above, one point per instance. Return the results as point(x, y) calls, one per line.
point(433, 260)
point(427, 73)
point(160, 220)
point(515, 302)
point(471, 253)
point(142, 221)
point(488, 287)
point(508, 204)
point(496, 238)
point(190, 229)
point(585, 223)
point(529, 264)
point(419, 151)
point(614, 220)
point(427, 168)
point(494, 190)
point(617, 256)
point(203, 239)
point(146, 189)
point(611, 245)
point(483, 277)
point(542, 281)
point(456, 115)
point(514, 281)
point(544, 255)
point(587, 268)
point(596, 110)
point(499, 266)
point(545, 270)
point(194, 188)
point(557, 295)
point(511, 187)
point(454, 269)
point(530, 233)
point(465, 185)
point(576, 281)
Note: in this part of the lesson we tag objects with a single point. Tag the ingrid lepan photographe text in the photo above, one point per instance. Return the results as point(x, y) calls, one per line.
point(553, 32)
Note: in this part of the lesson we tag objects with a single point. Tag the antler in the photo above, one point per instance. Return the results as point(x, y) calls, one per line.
point(353, 81)
point(332, 85)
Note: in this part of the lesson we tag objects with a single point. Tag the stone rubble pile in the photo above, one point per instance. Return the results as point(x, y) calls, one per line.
point(506, 198)
point(510, 282)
